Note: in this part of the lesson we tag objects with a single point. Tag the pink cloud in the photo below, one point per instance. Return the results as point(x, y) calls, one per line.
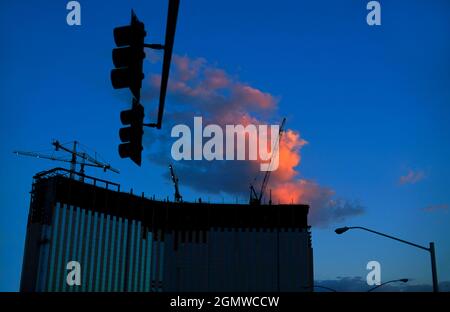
point(211, 89)
point(412, 177)
point(216, 78)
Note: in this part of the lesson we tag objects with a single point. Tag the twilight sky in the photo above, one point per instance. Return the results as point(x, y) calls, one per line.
point(367, 110)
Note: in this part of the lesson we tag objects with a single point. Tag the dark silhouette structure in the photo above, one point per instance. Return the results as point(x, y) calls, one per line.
point(128, 58)
point(125, 242)
point(430, 249)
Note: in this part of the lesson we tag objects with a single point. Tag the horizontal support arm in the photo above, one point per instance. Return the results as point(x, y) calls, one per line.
point(389, 236)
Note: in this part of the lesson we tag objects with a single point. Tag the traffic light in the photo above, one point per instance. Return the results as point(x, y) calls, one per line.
point(132, 136)
point(128, 57)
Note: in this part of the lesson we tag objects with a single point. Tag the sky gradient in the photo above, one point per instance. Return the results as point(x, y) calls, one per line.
point(372, 103)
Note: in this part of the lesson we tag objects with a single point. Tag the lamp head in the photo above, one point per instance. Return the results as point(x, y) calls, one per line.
point(342, 230)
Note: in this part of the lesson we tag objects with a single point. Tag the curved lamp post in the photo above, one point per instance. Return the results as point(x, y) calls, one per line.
point(404, 280)
point(323, 287)
point(429, 249)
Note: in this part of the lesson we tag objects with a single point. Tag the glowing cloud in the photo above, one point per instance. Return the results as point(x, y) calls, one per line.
point(198, 89)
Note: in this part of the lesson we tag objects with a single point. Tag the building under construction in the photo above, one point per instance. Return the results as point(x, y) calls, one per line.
point(125, 242)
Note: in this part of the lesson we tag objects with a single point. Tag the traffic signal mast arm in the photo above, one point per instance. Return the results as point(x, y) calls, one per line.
point(172, 16)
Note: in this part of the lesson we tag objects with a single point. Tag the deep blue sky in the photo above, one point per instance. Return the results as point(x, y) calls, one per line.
point(373, 103)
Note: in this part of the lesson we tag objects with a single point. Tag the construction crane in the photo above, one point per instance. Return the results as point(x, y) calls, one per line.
point(84, 156)
point(178, 197)
point(77, 158)
point(255, 198)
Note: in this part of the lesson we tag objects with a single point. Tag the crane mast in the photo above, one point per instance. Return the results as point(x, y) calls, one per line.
point(178, 197)
point(256, 198)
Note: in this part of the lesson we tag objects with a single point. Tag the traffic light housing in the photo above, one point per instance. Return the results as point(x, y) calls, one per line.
point(129, 56)
point(131, 136)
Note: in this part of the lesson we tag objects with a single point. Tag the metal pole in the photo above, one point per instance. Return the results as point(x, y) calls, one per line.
point(278, 258)
point(278, 249)
point(433, 268)
point(73, 162)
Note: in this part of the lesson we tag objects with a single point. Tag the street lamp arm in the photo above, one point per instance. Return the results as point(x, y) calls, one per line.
point(431, 249)
point(318, 286)
point(324, 287)
point(404, 280)
point(389, 236)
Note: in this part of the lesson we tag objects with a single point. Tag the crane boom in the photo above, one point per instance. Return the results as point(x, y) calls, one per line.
point(85, 157)
point(50, 157)
point(76, 156)
point(38, 155)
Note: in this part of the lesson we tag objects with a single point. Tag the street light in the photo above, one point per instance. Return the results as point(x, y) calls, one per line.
point(341, 230)
point(429, 249)
point(404, 280)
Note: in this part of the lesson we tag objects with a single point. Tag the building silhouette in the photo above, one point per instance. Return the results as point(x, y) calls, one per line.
point(125, 242)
